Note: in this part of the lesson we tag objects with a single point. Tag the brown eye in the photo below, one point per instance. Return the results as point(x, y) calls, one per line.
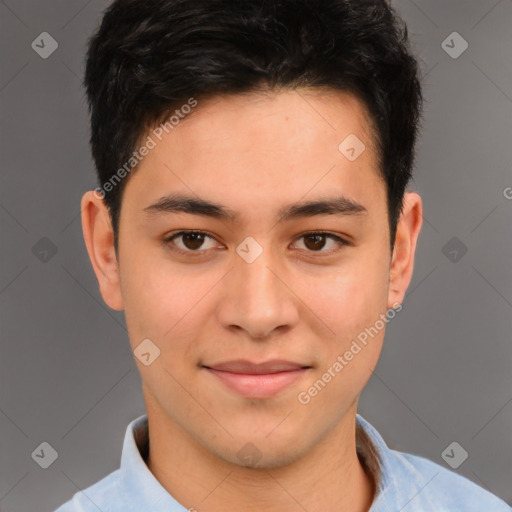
point(315, 242)
point(191, 241)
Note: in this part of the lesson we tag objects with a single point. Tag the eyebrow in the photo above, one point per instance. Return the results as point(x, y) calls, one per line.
point(179, 203)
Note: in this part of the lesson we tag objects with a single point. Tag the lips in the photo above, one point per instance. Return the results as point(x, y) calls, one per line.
point(247, 367)
point(257, 380)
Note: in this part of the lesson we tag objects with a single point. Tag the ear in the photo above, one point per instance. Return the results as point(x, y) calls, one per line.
point(99, 240)
point(402, 261)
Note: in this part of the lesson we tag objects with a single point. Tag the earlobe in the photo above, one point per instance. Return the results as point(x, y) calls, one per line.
point(402, 261)
point(99, 240)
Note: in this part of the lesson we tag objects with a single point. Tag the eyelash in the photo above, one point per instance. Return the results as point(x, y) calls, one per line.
point(199, 252)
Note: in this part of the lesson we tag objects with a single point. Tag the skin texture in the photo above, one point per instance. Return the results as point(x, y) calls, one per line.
point(297, 301)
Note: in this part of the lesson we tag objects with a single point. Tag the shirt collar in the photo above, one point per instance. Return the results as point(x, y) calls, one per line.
point(146, 492)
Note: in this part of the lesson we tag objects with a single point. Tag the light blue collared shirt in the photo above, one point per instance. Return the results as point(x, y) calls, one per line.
point(406, 483)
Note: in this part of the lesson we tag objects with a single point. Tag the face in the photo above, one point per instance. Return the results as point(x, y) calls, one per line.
point(256, 302)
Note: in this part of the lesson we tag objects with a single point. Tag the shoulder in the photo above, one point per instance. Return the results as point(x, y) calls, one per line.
point(430, 486)
point(99, 496)
point(130, 488)
point(412, 483)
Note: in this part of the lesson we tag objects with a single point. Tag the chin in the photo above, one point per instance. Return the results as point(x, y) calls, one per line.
point(260, 452)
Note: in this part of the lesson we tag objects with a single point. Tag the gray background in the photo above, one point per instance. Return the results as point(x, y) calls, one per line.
point(67, 375)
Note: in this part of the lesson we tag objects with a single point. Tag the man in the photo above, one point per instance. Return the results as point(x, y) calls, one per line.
point(252, 221)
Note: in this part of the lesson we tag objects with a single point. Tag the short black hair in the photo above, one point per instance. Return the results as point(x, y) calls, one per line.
point(149, 57)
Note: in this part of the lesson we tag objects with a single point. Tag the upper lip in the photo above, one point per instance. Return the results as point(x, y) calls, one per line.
point(248, 367)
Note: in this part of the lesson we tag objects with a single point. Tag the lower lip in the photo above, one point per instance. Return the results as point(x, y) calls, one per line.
point(258, 386)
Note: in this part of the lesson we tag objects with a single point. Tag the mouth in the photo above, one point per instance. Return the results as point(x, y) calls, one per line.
point(257, 380)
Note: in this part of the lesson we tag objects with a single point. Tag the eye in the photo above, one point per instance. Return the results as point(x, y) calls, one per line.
point(316, 241)
point(191, 241)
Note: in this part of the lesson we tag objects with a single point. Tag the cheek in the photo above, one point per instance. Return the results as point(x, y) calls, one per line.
point(156, 298)
point(351, 304)
point(169, 305)
point(350, 297)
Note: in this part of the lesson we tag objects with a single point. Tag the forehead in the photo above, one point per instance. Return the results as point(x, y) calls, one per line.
point(282, 116)
point(250, 150)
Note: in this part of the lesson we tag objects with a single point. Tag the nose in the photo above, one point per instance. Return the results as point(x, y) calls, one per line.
point(259, 300)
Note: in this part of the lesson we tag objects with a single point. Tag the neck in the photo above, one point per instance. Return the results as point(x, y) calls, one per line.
point(328, 478)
